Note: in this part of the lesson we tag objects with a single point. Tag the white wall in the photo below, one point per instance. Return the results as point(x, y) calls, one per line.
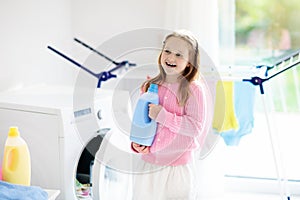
point(27, 27)
point(198, 16)
point(99, 20)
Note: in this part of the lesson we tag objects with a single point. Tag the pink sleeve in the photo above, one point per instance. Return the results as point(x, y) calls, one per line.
point(192, 122)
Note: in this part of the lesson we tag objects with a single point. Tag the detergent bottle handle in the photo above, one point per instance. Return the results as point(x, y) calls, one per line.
point(147, 119)
point(11, 160)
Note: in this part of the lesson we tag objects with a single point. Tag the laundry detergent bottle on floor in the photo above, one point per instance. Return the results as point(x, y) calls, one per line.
point(16, 165)
point(143, 129)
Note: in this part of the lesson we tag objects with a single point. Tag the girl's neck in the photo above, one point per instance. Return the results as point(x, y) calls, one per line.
point(171, 79)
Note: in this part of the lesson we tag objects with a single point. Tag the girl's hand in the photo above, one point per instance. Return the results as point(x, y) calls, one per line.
point(140, 148)
point(154, 110)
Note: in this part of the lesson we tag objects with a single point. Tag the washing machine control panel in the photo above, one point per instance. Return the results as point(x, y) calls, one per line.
point(82, 112)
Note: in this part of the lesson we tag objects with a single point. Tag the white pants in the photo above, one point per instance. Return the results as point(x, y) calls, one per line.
point(166, 183)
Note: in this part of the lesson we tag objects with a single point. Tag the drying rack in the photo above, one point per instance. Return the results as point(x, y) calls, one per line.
point(102, 76)
point(280, 66)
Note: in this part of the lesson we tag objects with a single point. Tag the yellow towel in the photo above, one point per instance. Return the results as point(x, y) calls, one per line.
point(224, 114)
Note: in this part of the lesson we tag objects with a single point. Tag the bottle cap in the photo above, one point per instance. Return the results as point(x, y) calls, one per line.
point(13, 132)
point(153, 88)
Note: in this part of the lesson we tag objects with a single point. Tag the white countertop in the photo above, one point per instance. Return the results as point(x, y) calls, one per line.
point(52, 194)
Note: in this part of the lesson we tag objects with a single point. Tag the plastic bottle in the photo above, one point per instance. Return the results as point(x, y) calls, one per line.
point(143, 129)
point(16, 166)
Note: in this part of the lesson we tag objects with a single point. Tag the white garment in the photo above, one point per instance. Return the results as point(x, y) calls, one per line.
point(165, 183)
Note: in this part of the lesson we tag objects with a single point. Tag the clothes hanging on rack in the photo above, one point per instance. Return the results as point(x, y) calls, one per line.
point(224, 114)
point(244, 100)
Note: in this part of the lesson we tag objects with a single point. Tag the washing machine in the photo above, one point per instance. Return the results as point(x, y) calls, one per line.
point(63, 141)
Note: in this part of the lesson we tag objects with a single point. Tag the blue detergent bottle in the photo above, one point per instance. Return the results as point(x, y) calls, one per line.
point(143, 129)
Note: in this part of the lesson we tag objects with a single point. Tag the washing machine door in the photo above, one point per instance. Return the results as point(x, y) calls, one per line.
point(111, 175)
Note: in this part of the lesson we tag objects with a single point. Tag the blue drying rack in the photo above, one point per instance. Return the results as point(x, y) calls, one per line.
point(102, 76)
point(282, 65)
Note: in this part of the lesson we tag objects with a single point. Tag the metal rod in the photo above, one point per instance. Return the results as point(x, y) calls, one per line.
point(97, 52)
point(283, 70)
point(277, 156)
point(287, 57)
point(73, 61)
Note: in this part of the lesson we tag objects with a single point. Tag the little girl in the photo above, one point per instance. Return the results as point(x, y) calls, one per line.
point(180, 116)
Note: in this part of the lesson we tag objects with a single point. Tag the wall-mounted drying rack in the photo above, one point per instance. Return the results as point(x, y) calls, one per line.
point(102, 76)
point(281, 65)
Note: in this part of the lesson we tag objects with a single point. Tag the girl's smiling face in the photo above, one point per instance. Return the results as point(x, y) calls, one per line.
point(175, 56)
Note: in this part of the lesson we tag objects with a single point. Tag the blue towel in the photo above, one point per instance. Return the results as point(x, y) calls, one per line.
point(244, 108)
point(10, 191)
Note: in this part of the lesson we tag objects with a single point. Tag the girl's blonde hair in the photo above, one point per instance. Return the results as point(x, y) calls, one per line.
point(188, 75)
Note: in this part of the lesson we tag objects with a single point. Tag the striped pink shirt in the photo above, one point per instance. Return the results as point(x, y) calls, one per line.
point(179, 129)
